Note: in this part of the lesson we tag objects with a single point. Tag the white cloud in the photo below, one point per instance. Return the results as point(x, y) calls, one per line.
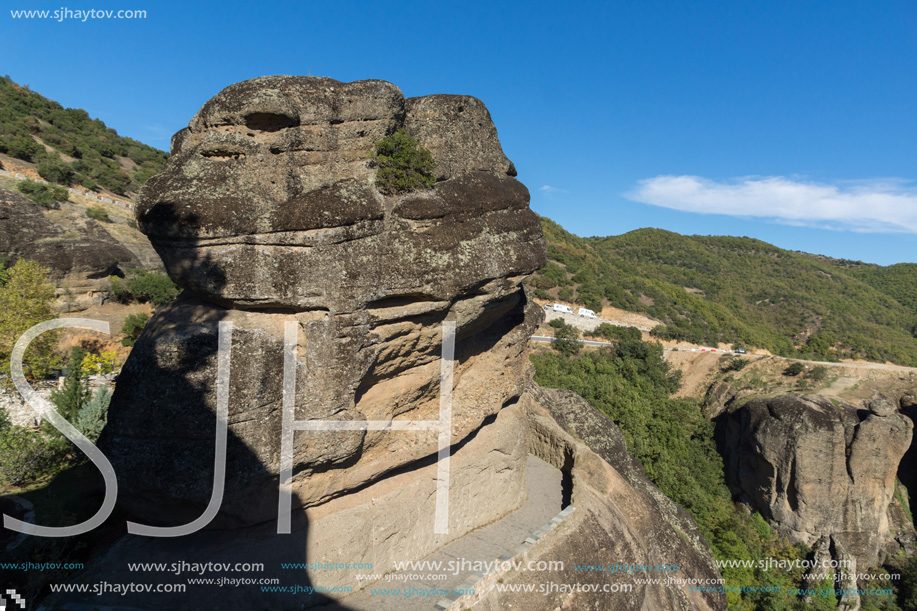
point(550, 189)
point(880, 206)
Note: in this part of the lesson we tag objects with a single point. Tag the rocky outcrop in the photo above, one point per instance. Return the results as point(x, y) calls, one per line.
point(816, 467)
point(80, 255)
point(267, 212)
point(269, 201)
point(619, 518)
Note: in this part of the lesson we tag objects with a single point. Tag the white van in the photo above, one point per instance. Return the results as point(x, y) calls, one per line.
point(562, 308)
point(587, 313)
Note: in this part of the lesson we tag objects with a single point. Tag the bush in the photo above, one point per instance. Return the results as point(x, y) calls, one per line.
point(4, 269)
point(794, 369)
point(143, 285)
point(98, 213)
point(99, 364)
point(55, 170)
point(133, 327)
point(24, 148)
point(43, 195)
point(542, 294)
point(155, 287)
point(119, 289)
point(24, 455)
point(818, 373)
point(614, 332)
point(404, 165)
point(736, 364)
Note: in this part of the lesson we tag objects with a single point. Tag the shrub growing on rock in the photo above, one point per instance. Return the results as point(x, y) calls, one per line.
point(404, 165)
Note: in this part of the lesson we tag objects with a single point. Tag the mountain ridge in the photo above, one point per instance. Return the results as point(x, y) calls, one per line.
point(68, 147)
point(737, 290)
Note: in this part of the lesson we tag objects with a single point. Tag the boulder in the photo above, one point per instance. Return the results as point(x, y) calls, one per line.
point(79, 254)
point(817, 467)
point(269, 200)
point(267, 212)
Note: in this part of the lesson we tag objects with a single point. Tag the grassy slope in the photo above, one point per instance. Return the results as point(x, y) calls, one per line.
point(69, 147)
point(729, 289)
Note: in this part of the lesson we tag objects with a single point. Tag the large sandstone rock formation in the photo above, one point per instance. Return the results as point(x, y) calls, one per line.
point(619, 518)
point(79, 255)
point(819, 469)
point(267, 212)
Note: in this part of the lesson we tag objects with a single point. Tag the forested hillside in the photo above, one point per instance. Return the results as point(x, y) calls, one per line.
point(68, 147)
point(897, 281)
point(708, 289)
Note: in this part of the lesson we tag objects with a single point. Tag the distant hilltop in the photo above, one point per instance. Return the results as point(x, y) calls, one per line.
point(738, 291)
point(41, 138)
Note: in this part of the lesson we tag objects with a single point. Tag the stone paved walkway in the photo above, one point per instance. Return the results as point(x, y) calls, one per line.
point(486, 544)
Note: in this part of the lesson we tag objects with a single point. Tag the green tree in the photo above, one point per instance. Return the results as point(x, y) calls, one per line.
point(94, 414)
point(75, 393)
point(403, 164)
point(631, 383)
point(566, 338)
point(133, 327)
point(26, 299)
point(793, 369)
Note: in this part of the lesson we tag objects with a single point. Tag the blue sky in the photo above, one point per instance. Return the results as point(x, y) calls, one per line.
point(792, 122)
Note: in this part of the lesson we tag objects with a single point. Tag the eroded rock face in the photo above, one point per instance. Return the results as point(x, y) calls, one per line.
point(267, 212)
point(269, 201)
point(619, 517)
point(818, 469)
point(80, 256)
